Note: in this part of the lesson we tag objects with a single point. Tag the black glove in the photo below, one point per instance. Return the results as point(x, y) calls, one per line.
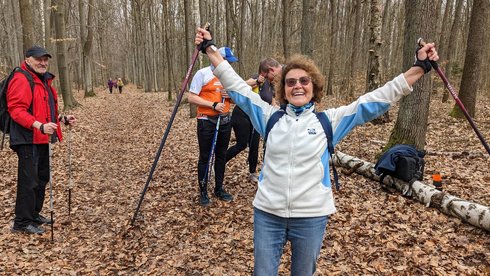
point(206, 43)
point(424, 64)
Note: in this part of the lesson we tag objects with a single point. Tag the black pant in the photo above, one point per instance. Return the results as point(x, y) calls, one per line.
point(205, 134)
point(120, 89)
point(32, 177)
point(245, 136)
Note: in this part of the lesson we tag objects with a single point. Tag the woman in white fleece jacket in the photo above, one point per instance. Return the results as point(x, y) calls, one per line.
point(294, 196)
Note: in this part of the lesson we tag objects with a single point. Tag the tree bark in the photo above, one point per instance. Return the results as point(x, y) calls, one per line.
point(307, 24)
point(472, 213)
point(451, 42)
point(189, 49)
point(86, 31)
point(331, 62)
point(27, 19)
point(373, 73)
point(17, 31)
point(64, 77)
point(411, 123)
point(473, 61)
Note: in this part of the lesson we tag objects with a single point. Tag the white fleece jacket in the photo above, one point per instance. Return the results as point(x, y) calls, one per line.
point(295, 179)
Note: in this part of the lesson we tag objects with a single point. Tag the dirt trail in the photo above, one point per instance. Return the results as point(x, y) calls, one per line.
point(113, 147)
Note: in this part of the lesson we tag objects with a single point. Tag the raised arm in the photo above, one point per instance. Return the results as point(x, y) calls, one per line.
point(416, 72)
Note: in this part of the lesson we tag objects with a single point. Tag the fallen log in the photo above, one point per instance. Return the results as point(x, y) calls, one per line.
point(473, 213)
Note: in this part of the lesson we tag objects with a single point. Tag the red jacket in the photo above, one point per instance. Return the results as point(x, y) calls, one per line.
point(19, 100)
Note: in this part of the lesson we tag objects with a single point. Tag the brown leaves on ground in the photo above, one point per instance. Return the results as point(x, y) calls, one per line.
point(114, 145)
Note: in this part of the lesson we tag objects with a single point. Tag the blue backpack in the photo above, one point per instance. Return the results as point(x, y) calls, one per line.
point(404, 162)
point(327, 128)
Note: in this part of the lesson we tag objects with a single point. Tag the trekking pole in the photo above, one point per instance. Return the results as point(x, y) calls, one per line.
point(210, 164)
point(50, 152)
point(453, 93)
point(69, 171)
point(167, 130)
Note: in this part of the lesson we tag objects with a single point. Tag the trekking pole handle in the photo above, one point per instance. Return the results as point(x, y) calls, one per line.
point(206, 27)
point(421, 43)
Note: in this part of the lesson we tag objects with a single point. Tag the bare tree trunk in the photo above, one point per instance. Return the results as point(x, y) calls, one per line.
point(64, 77)
point(473, 62)
point(331, 62)
point(307, 23)
point(168, 47)
point(86, 35)
point(189, 49)
point(27, 19)
point(285, 33)
point(373, 74)
point(411, 123)
point(18, 34)
point(451, 50)
point(146, 35)
point(355, 47)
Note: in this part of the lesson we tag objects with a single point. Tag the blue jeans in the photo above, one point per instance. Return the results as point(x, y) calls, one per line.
point(271, 234)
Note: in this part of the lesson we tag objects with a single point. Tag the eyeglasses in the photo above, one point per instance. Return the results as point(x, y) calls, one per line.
point(291, 82)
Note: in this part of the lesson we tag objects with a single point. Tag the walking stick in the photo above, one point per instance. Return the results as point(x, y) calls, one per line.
point(69, 171)
point(50, 152)
point(453, 93)
point(210, 164)
point(167, 130)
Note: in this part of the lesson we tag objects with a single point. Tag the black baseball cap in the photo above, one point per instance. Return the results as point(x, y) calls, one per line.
point(37, 51)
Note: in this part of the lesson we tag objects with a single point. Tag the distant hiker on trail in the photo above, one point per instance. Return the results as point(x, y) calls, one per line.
point(35, 120)
point(120, 85)
point(294, 196)
point(212, 102)
point(110, 84)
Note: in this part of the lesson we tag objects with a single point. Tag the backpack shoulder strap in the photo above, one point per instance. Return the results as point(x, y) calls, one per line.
point(273, 120)
point(27, 75)
point(327, 128)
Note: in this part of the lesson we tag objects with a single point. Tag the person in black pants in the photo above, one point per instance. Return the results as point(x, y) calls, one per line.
point(35, 123)
point(245, 136)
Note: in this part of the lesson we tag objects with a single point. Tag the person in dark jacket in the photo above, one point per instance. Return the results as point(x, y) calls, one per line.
point(35, 124)
point(111, 84)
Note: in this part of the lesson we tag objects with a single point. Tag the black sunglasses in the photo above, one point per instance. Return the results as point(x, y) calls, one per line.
point(291, 82)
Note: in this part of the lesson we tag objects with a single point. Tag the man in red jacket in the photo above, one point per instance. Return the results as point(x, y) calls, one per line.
point(35, 124)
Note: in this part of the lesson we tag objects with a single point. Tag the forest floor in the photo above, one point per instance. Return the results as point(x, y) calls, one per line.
point(113, 147)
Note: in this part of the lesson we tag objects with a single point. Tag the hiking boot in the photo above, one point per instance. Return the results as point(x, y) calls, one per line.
point(42, 220)
point(204, 199)
point(222, 194)
point(253, 178)
point(29, 229)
